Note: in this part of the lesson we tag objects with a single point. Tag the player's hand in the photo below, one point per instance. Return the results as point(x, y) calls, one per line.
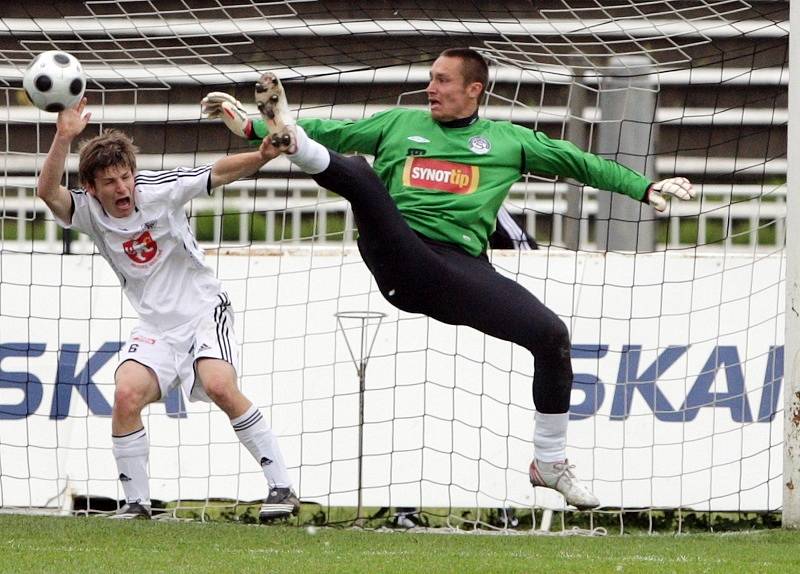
point(679, 187)
point(72, 121)
point(268, 150)
point(229, 110)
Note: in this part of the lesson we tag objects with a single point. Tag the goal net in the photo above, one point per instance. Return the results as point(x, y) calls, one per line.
point(676, 319)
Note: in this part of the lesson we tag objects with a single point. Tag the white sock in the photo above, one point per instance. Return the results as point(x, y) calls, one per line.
point(257, 437)
point(132, 451)
point(550, 437)
point(311, 156)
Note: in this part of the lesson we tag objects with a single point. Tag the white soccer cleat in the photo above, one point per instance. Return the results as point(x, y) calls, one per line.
point(679, 187)
point(560, 477)
point(271, 101)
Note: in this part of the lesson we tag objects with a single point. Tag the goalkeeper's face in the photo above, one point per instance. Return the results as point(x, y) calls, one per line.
point(113, 188)
point(449, 95)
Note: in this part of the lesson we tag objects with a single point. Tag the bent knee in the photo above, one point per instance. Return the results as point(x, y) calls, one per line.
point(552, 341)
point(219, 389)
point(135, 385)
point(560, 334)
point(130, 396)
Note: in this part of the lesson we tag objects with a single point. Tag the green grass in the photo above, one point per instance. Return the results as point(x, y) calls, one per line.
point(257, 227)
point(47, 544)
point(34, 229)
point(741, 232)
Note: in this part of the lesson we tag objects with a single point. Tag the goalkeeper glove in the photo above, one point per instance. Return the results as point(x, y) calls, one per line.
point(680, 187)
point(229, 110)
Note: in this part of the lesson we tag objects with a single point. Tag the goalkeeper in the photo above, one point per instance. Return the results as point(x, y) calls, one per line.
point(425, 214)
point(185, 331)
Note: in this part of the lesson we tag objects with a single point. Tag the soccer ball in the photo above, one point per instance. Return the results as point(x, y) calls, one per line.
point(54, 81)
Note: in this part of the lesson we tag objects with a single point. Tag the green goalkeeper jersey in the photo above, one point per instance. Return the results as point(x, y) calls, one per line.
point(449, 182)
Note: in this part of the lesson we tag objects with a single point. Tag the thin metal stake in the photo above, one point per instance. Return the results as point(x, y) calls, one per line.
point(365, 349)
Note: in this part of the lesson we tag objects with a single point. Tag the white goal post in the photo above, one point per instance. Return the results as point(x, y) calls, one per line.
point(791, 403)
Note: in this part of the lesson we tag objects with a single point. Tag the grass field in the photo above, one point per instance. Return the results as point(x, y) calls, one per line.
point(48, 544)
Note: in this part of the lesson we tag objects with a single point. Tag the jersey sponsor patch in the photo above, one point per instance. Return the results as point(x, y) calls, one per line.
point(141, 249)
point(440, 175)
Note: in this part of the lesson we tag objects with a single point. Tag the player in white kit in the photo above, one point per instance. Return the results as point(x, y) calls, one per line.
point(185, 331)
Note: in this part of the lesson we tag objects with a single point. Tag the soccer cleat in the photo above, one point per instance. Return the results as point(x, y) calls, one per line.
point(281, 503)
point(560, 476)
point(405, 519)
point(271, 101)
point(133, 511)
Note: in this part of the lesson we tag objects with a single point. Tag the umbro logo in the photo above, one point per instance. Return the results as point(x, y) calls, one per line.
point(265, 461)
point(419, 139)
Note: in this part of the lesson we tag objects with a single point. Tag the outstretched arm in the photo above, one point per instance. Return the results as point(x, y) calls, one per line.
point(69, 124)
point(560, 157)
point(233, 167)
point(339, 135)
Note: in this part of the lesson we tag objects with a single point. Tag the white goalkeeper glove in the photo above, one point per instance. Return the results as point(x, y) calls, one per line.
point(229, 110)
point(680, 187)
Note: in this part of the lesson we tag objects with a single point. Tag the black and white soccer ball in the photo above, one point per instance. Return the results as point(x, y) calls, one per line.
point(54, 81)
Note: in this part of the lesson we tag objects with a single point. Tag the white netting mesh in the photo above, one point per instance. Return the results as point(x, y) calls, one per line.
point(677, 348)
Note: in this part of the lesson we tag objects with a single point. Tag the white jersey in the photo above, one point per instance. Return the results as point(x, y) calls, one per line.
point(153, 251)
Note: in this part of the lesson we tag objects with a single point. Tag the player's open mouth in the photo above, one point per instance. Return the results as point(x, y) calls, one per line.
point(124, 202)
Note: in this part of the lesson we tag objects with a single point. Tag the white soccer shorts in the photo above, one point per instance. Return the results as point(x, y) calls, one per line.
point(172, 354)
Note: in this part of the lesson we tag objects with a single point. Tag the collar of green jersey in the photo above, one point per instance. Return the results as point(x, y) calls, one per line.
point(461, 122)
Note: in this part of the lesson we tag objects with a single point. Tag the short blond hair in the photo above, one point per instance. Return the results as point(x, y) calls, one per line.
point(111, 148)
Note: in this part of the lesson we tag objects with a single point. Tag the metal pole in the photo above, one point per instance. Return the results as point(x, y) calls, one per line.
point(362, 371)
point(791, 391)
point(365, 350)
point(576, 133)
point(627, 135)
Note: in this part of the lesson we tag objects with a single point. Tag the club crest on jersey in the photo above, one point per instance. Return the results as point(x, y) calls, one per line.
point(479, 145)
point(141, 249)
point(440, 175)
